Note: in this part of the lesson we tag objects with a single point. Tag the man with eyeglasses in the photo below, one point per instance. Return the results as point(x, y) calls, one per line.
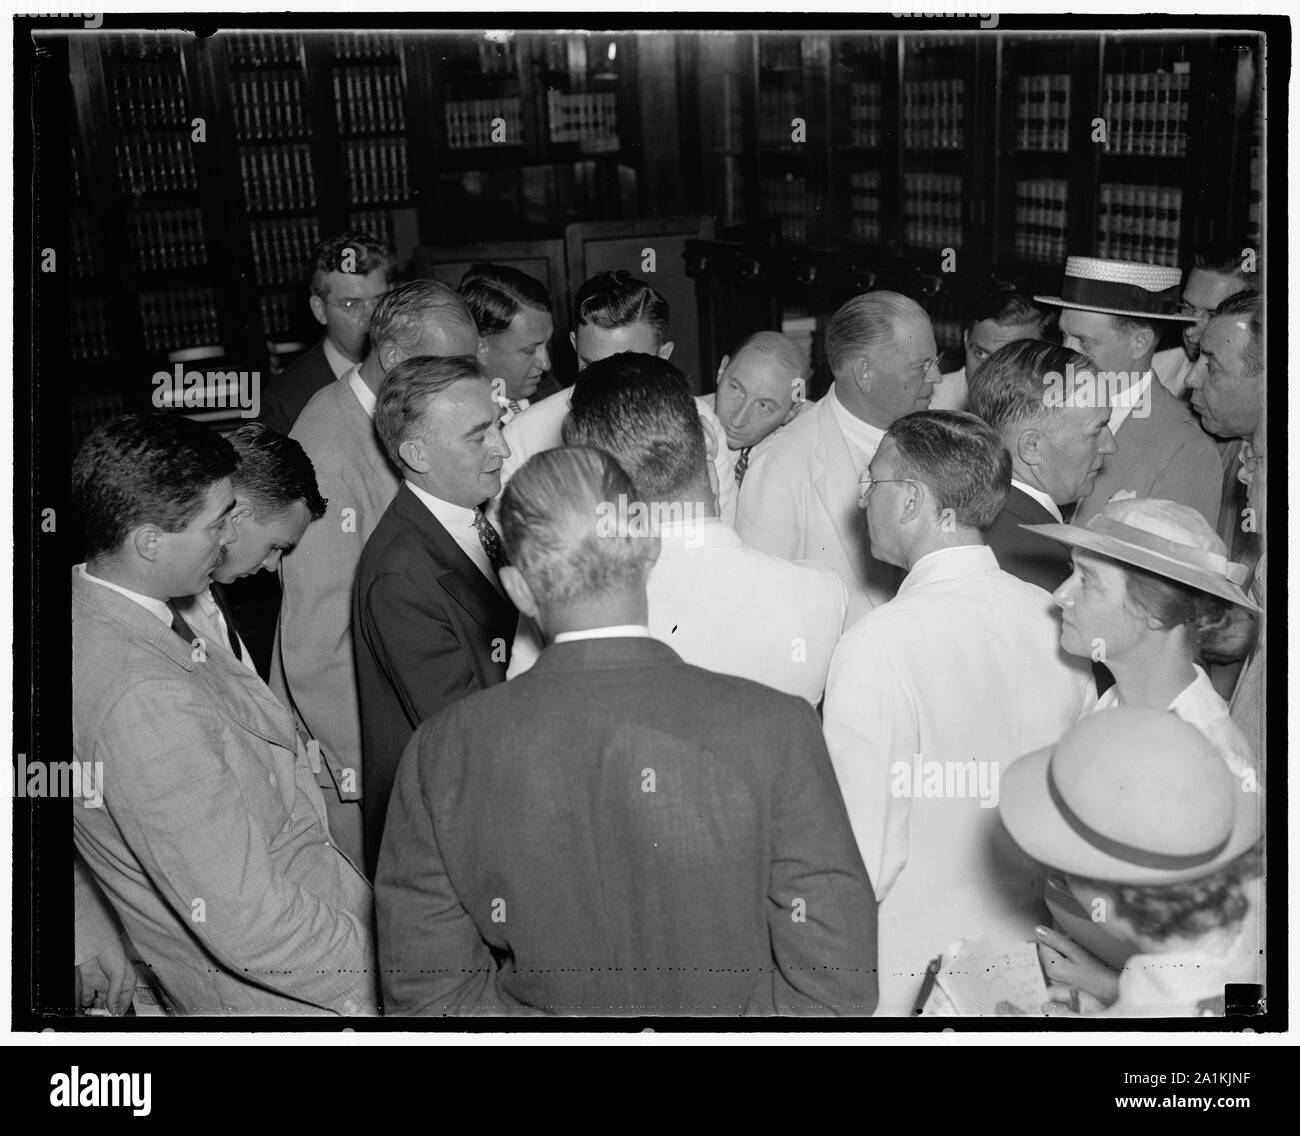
point(933, 694)
point(351, 273)
point(1219, 269)
point(799, 497)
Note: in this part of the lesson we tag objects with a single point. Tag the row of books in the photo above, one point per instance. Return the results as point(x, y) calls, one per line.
point(933, 114)
point(497, 56)
point(85, 247)
point(167, 238)
point(179, 317)
point(365, 45)
point(852, 47)
point(948, 330)
point(777, 109)
point(268, 105)
point(377, 171)
point(145, 96)
point(1043, 112)
point(256, 49)
point(1041, 218)
point(282, 248)
point(376, 222)
point(932, 208)
point(1147, 113)
point(281, 313)
point(920, 44)
point(866, 114)
point(1139, 222)
point(472, 123)
point(864, 205)
point(369, 99)
point(585, 117)
point(122, 47)
point(88, 330)
point(155, 165)
point(788, 199)
point(277, 177)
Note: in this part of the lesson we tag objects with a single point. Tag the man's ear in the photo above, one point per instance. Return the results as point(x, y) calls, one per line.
point(243, 509)
point(1142, 340)
point(413, 455)
point(862, 374)
point(1029, 447)
point(481, 353)
point(521, 595)
point(665, 350)
point(717, 382)
point(389, 356)
point(573, 341)
point(318, 309)
point(146, 541)
point(913, 501)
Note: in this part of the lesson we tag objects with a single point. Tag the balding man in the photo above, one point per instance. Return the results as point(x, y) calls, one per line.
point(800, 494)
point(616, 832)
point(761, 387)
point(313, 669)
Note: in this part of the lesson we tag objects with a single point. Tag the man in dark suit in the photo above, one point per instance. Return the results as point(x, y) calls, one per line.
point(430, 619)
point(617, 832)
point(350, 274)
point(1056, 451)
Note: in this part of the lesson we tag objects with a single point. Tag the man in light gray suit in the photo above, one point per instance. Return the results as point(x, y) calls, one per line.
point(313, 670)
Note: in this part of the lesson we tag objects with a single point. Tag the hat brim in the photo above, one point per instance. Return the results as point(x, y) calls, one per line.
point(1036, 824)
point(1057, 302)
point(1116, 549)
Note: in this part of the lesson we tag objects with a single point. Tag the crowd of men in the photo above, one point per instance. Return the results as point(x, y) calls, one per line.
point(615, 699)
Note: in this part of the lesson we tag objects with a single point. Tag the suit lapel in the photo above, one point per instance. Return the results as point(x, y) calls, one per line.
point(1024, 508)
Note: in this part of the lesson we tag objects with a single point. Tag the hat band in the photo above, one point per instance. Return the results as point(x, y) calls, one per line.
point(1170, 550)
point(1129, 853)
point(1113, 294)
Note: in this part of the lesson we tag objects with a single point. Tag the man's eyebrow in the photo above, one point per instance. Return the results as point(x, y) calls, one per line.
point(478, 428)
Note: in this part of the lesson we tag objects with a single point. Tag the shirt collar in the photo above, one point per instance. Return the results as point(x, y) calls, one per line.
point(950, 564)
point(698, 531)
point(155, 607)
point(1137, 394)
point(364, 394)
point(450, 516)
point(618, 631)
point(1039, 496)
point(863, 435)
point(339, 363)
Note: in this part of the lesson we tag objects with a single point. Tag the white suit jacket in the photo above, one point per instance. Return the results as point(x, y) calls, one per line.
point(799, 501)
point(964, 665)
point(735, 611)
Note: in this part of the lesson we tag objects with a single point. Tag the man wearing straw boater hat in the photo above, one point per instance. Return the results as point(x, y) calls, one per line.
point(1113, 310)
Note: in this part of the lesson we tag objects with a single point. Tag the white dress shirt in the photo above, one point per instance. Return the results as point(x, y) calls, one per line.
point(459, 522)
point(863, 438)
point(615, 631)
point(724, 458)
point(533, 430)
point(339, 363)
point(952, 391)
point(1135, 395)
point(1186, 983)
point(157, 608)
point(1039, 496)
point(736, 611)
point(202, 613)
point(365, 395)
point(509, 411)
point(963, 666)
point(1172, 368)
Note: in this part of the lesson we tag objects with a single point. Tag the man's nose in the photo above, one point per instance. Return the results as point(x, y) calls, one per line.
point(1061, 597)
point(1073, 344)
point(228, 532)
point(272, 562)
point(1108, 443)
point(1194, 375)
point(544, 358)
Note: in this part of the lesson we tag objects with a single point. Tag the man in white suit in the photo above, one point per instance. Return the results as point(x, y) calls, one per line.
point(800, 496)
point(313, 671)
point(718, 604)
point(932, 695)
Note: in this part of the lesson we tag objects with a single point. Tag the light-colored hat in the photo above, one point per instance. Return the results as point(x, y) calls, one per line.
point(1164, 537)
point(1120, 288)
point(1131, 796)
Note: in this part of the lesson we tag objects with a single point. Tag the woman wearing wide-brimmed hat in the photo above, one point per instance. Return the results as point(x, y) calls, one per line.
point(1150, 578)
point(1153, 835)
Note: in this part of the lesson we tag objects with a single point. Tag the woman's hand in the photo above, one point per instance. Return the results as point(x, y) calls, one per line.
point(1066, 963)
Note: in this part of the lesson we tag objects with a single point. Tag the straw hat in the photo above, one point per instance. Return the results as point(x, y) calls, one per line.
point(1171, 540)
point(1131, 796)
point(1120, 288)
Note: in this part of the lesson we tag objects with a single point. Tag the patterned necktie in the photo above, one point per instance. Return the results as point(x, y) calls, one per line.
point(490, 539)
point(514, 406)
point(742, 464)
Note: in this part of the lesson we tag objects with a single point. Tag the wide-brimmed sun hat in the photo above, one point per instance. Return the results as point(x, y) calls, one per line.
point(1131, 796)
point(1120, 288)
point(1164, 537)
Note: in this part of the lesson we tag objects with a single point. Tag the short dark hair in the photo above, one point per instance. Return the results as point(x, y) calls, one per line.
point(405, 392)
point(274, 471)
point(496, 293)
point(1249, 305)
point(367, 253)
point(1008, 308)
point(1010, 386)
point(1225, 258)
point(617, 299)
point(551, 514)
point(145, 469)
point(960, 458)
point(1188, 909)
point(639, 408)
point(402, 317)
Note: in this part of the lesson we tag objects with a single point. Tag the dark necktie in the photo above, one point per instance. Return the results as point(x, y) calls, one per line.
point(231, 634)
point(514, 406)
point(183, 629)
point(490, 539)
point(742, 464)
point(1067, 511)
